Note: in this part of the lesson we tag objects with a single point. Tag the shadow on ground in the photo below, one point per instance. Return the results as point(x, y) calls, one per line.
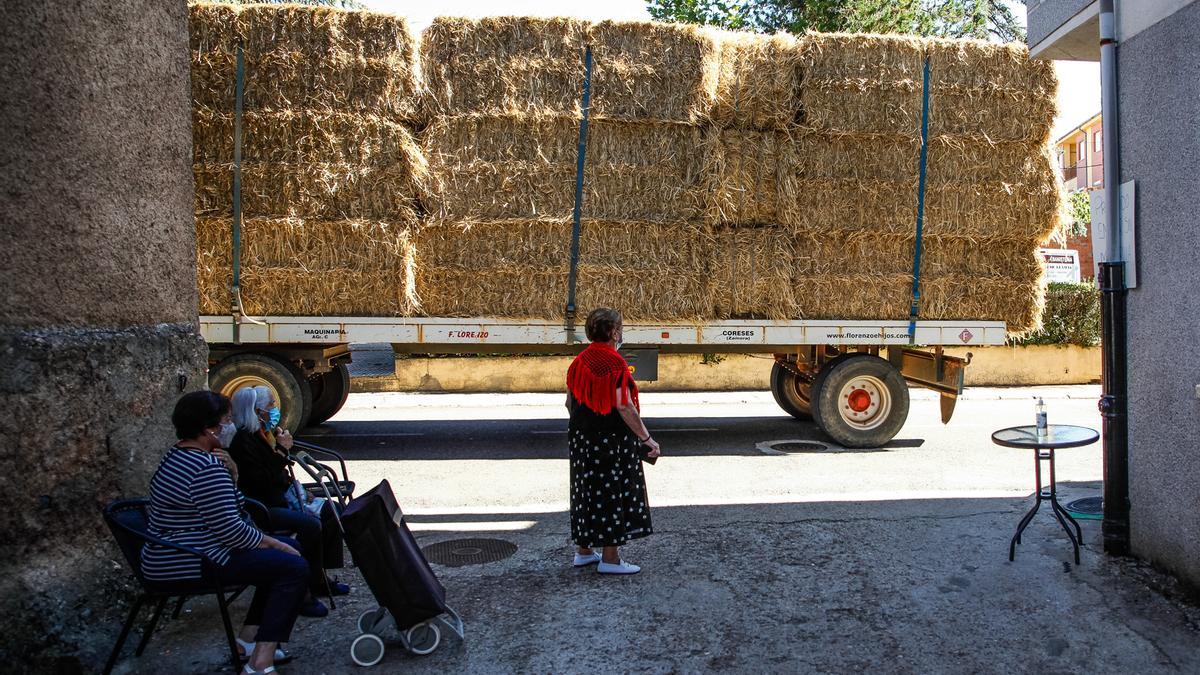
point(895, 586)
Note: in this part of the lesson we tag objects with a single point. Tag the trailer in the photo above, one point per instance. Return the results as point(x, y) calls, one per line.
point(850, 378)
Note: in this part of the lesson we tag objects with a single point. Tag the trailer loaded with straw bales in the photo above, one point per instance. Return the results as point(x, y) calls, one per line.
point(833, 200)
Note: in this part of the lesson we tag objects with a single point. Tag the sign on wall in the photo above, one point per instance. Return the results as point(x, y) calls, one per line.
point(1061, 264)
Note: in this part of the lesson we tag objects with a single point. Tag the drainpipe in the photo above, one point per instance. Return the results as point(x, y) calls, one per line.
point(1114, 340)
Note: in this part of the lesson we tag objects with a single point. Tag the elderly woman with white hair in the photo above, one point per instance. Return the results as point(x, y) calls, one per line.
point(261, 454)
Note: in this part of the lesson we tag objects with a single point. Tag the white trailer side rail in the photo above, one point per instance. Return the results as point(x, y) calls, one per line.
point(498, 331)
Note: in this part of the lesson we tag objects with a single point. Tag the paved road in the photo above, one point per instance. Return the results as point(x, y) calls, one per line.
point(892, 560)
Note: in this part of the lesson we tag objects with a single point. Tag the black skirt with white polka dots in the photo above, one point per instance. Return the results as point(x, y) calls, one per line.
point(608, 489)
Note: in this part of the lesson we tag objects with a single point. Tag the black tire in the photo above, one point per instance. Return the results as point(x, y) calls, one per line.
point(329, 392)
point(790, 392)
point(886, 407)
point(284, 378)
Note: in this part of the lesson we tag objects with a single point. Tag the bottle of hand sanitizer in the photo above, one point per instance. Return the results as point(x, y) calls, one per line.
point(1039, 411)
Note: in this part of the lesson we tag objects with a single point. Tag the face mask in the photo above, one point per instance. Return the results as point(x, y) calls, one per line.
point(274, 416)
point(226, 434)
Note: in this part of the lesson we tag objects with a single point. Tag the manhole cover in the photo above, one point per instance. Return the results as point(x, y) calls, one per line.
point(460, 552)
point(1088, 508)
point(801, 447)
point(791, 447)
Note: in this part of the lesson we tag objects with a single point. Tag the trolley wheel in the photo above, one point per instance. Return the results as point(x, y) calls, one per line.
point(286, 382)
point(368, 619)
point(423, 638)
point(791, 393)
point(330, 391)
point(860, 400)
point(367, 650)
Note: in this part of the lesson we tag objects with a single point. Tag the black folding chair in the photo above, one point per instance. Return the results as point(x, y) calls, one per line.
point(128, 519)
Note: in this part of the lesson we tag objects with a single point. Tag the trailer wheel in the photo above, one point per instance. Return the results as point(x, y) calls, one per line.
point(329, 393)
point(284, 379)
point(860, 400)
point(790, 392)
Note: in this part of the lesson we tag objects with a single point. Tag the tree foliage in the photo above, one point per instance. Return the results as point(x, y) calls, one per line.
point(984, 19)
point(1079, 207)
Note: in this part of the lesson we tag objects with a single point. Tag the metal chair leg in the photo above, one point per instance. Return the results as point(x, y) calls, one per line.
point(149, 630)
point(116, 651)
point(234, 658)
point(178, 607)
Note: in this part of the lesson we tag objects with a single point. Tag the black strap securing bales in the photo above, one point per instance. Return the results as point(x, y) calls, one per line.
point(235, 290)
point(576, 215)
point(916, 284)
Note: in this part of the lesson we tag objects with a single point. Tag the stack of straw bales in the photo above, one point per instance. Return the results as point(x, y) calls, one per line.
point(502, 146)
point(331, 170)
point(816, 146)
point(728, 175)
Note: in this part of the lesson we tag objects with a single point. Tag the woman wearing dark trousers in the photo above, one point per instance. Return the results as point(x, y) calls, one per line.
point(194, 502)
point(606, 436)
point(261, 454)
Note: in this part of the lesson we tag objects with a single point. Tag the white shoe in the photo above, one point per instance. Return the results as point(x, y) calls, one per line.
point(619, 567)
point(585, 560)
point(281, 657)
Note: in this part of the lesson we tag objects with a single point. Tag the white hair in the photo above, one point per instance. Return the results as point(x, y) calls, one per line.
point(244, 415)
point(263, 398)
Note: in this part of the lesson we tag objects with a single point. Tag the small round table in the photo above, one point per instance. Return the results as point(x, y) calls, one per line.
point(1057, 436)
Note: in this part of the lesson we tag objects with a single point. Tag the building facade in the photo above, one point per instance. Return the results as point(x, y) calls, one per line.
point(1158, 131)
point(1080, 155)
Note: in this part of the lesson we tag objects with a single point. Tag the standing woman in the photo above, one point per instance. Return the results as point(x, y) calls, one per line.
point(605, 439)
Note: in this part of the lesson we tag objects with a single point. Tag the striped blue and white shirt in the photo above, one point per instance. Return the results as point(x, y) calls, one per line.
point(194, 502)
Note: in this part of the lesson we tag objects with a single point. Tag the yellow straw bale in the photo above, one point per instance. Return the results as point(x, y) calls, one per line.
point(520, 270)
point(523, 168)
point(329, 191)
point(744, 176)
point(296, 267)
point(753, 269)
point(524, 65)
point(305, 137)
point(303, 57)
point(758, 81)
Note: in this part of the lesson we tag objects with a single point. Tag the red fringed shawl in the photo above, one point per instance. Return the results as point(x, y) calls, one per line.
point(596, 374)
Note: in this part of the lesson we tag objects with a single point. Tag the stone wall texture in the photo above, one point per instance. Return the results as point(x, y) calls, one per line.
point(97, 325)
point(1159, 79)
point(93, 176)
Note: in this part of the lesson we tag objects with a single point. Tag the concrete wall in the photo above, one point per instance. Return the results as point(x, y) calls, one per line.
point(1045, 16)
point(991, 366)
point(97, 326)
point(1159, 79)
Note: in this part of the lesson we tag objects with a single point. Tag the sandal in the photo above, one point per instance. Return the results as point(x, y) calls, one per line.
point(265, 671)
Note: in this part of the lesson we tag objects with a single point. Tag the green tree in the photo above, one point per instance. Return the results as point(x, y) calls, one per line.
point(1079, 207)
point(984, 19)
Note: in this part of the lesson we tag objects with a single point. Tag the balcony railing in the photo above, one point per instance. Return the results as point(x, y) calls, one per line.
point(1070, 172)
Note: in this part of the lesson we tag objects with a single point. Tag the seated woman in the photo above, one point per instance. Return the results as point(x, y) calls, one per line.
point(261, 453)
point(194, 502)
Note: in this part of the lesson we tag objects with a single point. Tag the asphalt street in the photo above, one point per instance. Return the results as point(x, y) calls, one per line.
point(773, 548)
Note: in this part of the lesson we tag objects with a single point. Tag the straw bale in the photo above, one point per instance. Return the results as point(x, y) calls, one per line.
point(744, 176)
point(521, 270)
point(307, 137)
point(753, 269)
point(861, 83)
point(989, 115)
point(758, 81)
point(951, 297)
point(897, 156)
point(329, 191)
point(965, 209)
point(989, 66)
point(863, 57)
point(870, 252)
point(523, 168)
point(524, 65)
point(304, 57)
point(295, 267)
point(652, 71)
